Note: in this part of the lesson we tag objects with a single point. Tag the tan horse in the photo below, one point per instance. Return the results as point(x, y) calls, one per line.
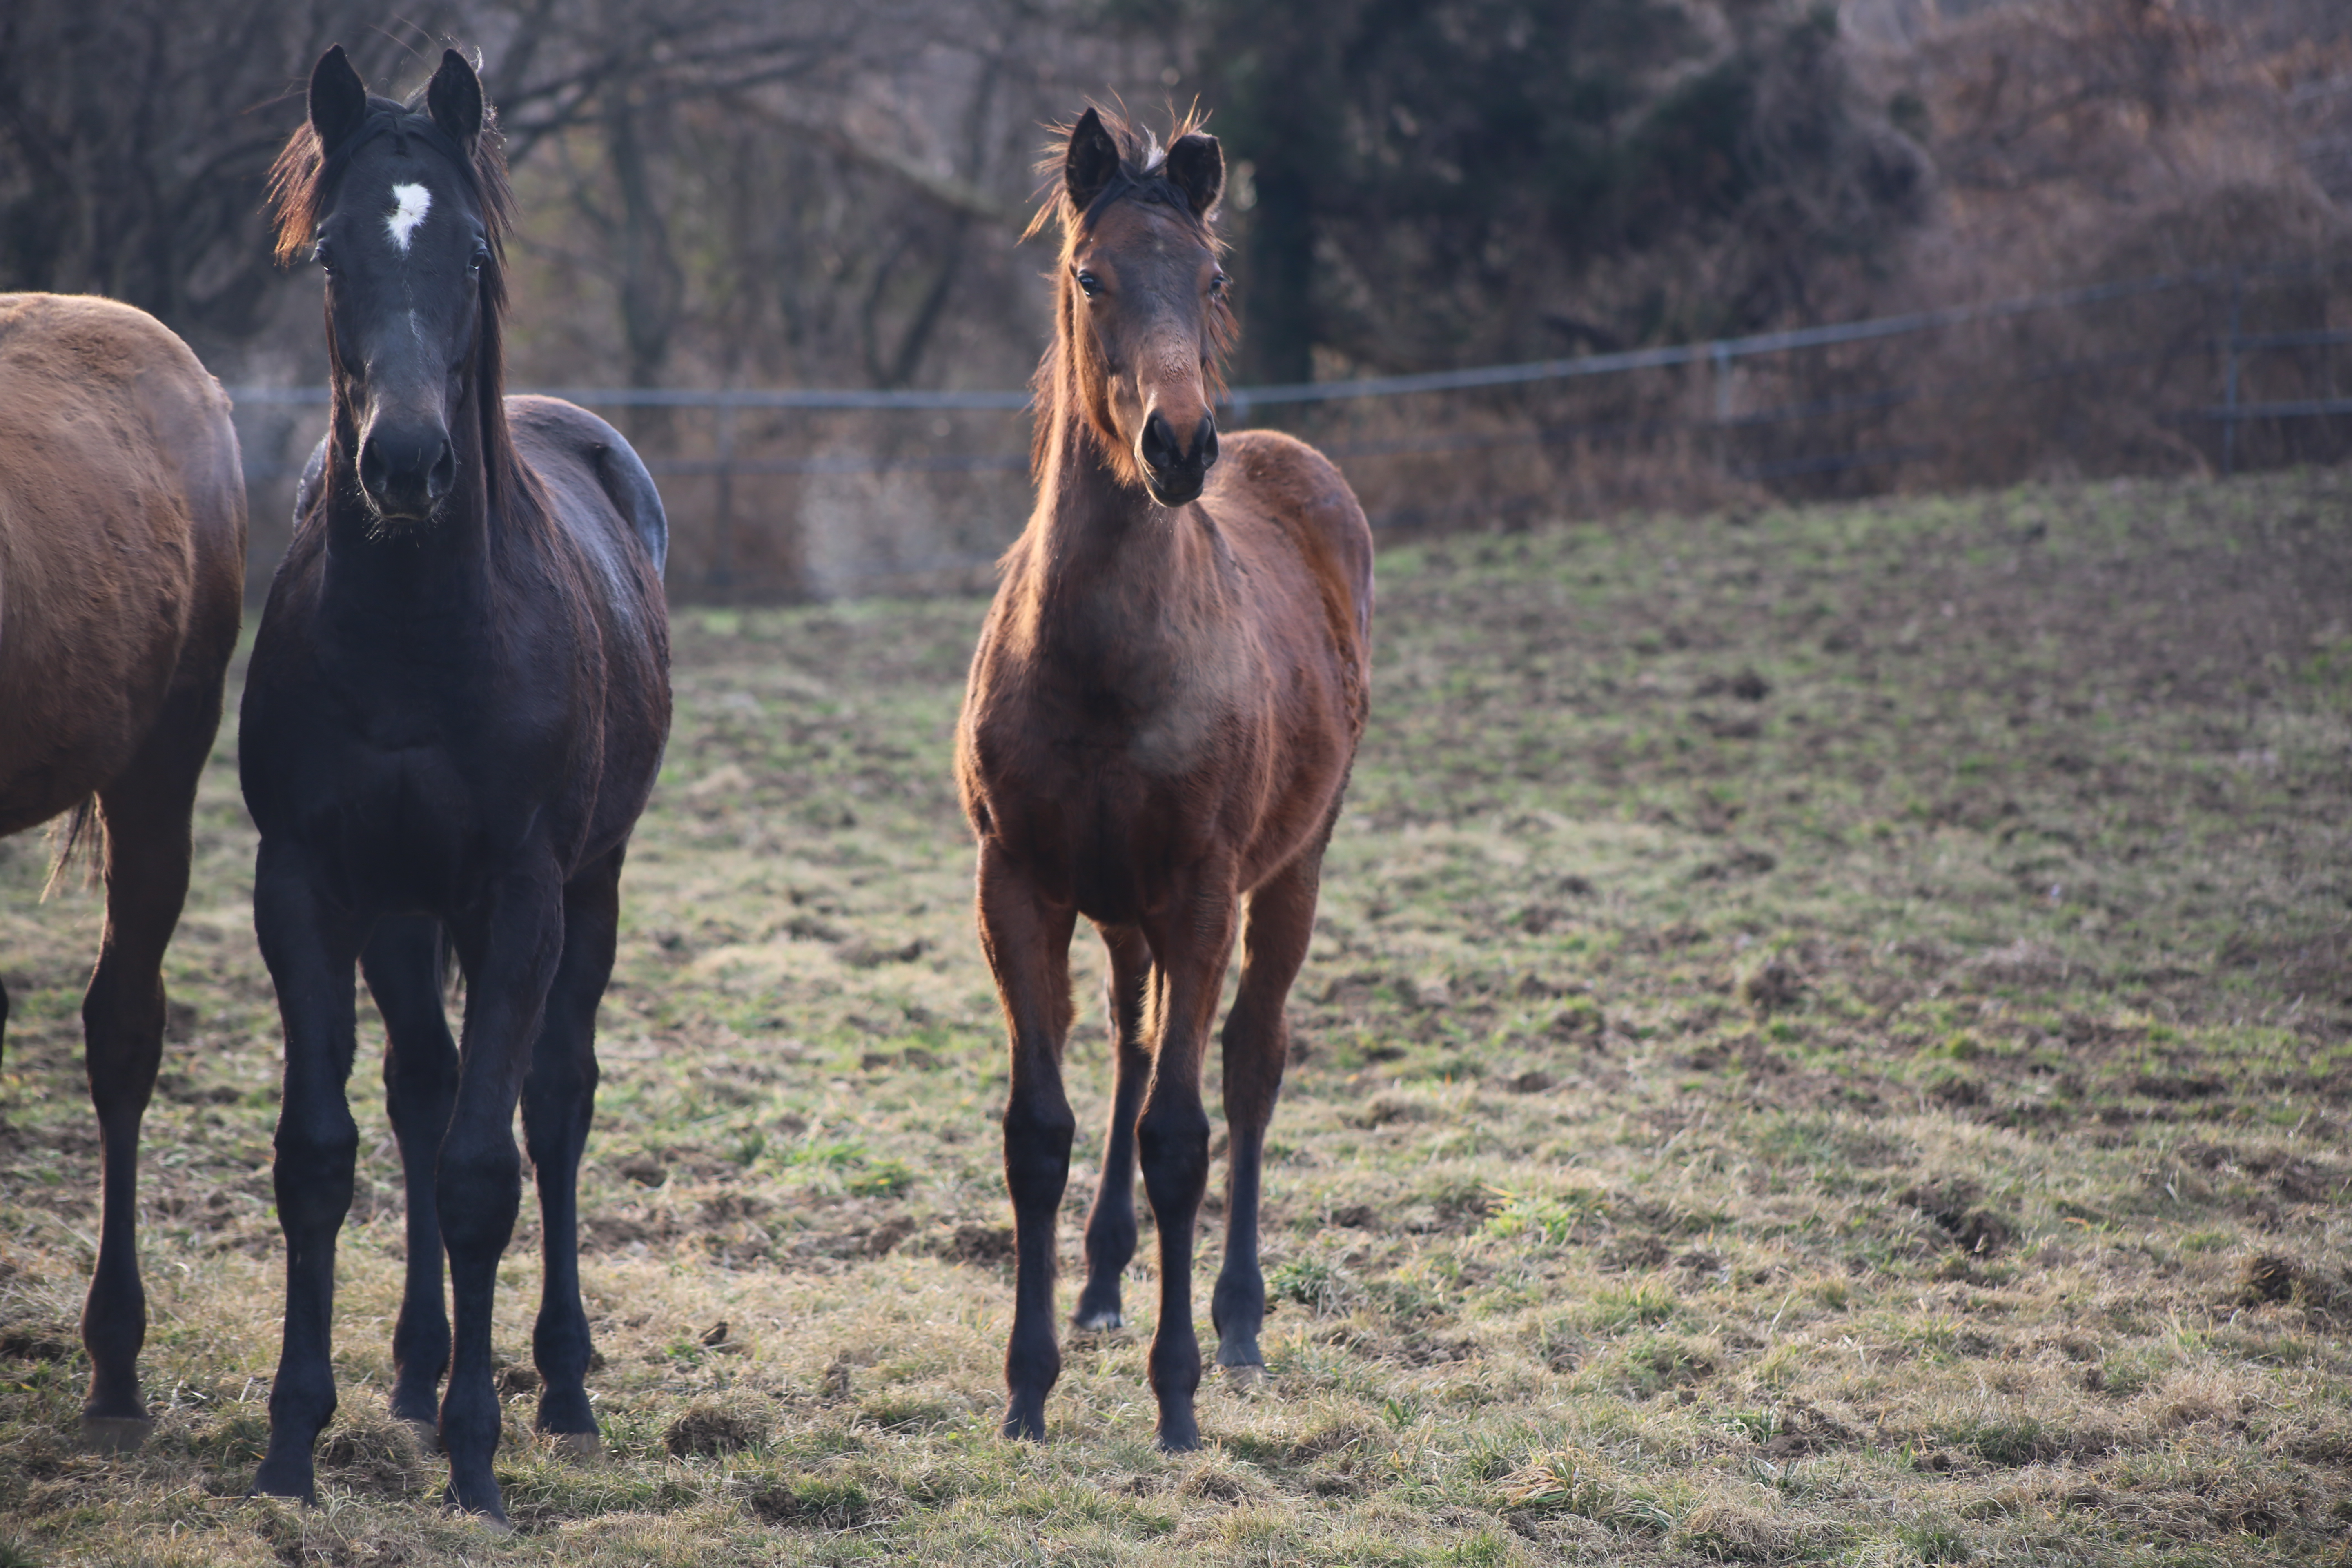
point(1162, 713)
point(122, 581)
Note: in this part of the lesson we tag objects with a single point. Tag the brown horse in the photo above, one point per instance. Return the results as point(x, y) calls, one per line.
point(1162, 712)
point(121, 579)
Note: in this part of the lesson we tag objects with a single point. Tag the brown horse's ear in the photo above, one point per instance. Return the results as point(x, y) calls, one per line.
point(1091, 162)
point(1197, 165)
point(338, 99)
point(455, 99)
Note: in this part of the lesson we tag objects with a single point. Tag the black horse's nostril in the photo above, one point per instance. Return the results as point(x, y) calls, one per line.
point(1158, 447)
point(407, 473)
point(371, 467)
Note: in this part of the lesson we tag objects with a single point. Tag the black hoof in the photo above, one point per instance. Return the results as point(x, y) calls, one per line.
point(1098, 1306)
point(1178, 1435)
point(491, 1513)
point(115, 1434)
point(285, 1479)
point(419, 1406)
point(1024, 1422)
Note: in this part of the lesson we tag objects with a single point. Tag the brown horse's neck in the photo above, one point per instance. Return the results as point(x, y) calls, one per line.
point(1098, 536)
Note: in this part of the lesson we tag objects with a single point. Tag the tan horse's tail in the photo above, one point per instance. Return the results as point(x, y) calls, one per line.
point(79, 833)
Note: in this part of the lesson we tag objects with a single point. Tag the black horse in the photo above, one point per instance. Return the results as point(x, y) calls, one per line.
point(457, 703)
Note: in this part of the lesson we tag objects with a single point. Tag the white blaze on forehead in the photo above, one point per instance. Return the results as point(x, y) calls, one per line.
point(411, 202)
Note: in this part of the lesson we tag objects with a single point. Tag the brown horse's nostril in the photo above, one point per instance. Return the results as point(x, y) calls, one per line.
point(1158, 447)
point(1204, 442)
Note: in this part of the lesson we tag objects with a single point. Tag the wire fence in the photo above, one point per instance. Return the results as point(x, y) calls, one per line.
point(796, 493)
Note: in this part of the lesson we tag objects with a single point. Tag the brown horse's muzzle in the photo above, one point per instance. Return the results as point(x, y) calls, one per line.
point(1174, 473)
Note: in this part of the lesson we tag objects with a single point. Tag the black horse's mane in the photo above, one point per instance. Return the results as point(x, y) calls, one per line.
point(302, 184)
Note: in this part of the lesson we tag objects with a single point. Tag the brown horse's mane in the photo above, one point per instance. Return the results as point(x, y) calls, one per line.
point(303, 181)
point(1142, 176)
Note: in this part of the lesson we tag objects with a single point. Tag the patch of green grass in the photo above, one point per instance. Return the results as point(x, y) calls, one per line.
point(1908, 1127)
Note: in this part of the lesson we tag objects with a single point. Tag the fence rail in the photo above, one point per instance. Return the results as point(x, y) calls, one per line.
point(1719, 410)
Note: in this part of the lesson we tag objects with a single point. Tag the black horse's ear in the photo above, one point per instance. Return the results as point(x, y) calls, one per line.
point(1197, 165)
point(338, 99)
point(456, 99)
point(1091, 162)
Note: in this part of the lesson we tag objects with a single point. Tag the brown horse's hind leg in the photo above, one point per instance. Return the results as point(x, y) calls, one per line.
point(145, 817)
point(1191, 942)
point(1027, 941)
point(1280, 922)
point(402, 962)
point(1110, 1226)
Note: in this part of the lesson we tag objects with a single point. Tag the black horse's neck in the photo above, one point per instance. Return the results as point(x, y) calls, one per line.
point(434, 579)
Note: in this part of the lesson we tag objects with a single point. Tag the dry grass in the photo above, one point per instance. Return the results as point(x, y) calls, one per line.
point(1826, 1041)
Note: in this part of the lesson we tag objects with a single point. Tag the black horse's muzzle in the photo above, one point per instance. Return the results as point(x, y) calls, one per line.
point(406, 473)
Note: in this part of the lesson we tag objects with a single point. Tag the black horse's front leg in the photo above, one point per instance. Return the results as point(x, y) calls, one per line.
point(558, 1101)
point(309, 946)
point(512, 956)
point(402, 962)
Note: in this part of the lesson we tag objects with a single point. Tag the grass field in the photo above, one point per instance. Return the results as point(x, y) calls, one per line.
point(1827, 1041)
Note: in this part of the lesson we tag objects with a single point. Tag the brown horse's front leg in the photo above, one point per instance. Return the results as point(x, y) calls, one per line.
point(1276, 930)
point(1027, 941)
point(1191, 940)
point(1110, 1226)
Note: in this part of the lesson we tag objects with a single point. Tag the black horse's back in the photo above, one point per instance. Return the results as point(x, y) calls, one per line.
point(574, 449)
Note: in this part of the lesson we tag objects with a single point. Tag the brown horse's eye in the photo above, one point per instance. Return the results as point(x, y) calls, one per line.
point(1089, 284)
point(1217, 286)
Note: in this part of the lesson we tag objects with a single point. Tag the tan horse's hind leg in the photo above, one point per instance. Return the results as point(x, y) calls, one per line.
point(1276, 926)
point(146, 851)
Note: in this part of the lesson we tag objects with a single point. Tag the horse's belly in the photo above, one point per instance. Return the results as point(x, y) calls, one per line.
point(70, 726)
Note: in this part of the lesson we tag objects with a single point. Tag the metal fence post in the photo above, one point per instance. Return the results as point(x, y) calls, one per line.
point(1719, 353)
point(2230, 372)
point(722, 542)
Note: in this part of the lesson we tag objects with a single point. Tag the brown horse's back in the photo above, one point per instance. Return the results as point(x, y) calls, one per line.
point(122, 542)
point(1305, 503)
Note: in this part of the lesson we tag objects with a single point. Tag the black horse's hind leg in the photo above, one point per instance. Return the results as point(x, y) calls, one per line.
point(402, 964)
point(4, 1021)
point(145, 814)
point(558, 1101)
point(1111, 1225)
point(511, 952)
point(1278, 923)
point(309, 947)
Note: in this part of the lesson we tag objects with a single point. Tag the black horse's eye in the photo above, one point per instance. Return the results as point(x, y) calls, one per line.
point(479, 259)
point(320, 253)
point(1089, 284)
